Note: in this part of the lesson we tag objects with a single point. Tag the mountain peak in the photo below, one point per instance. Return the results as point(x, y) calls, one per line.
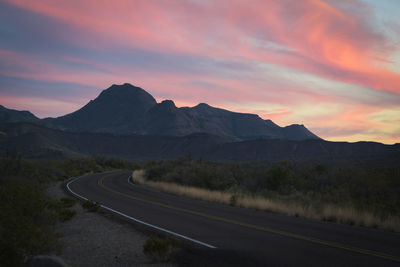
point(126, 95)
point(293, 132)
point(166, 106)
point(117, 108)
point(122, 85)
point(125, 85)
point(125, 89)
point(12, 115)
point(126, 108)
point(203, 105)
point(168, 102)
point(270, 123)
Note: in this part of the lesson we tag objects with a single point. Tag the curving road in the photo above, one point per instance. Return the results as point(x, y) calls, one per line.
point(222, 234)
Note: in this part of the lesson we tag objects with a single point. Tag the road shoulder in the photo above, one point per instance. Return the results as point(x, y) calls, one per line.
point(98, 239)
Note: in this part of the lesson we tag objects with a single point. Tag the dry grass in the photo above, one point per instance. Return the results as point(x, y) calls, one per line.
point(138, 176)
point(330, 213)
point(193, 192)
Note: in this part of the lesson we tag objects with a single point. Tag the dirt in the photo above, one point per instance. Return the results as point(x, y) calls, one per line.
point(99, 238)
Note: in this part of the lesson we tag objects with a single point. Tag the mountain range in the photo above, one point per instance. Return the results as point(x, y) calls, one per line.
point(127, 109)
point(35, 141)
point(126, 121)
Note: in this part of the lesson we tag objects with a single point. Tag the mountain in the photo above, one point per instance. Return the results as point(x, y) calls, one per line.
point(11, 115)
point(118, 109)
point(297, 132)
point(126, 121)
point(127, 109)
point(309, 151)
point(36, 141)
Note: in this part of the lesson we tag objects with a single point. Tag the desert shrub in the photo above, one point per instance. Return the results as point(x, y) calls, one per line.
point(278, 177)
point(62, 207)
point(161, 249)
point(27, 215)
point(26, 223)
point(78, 166)
point(364, 188)
point(66, 214)
point(197, 173)
point(114, 163)
point(233, 200)
point(67, 202)
point(91, 206)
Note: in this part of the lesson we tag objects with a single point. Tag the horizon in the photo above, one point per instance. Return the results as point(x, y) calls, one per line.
point(333, 66)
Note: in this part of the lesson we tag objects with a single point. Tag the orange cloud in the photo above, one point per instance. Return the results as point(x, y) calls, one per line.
point(324, 39)
point(314, 37)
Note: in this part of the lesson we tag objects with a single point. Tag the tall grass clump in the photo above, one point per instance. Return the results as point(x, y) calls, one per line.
point(161, 249)
point(362, 195)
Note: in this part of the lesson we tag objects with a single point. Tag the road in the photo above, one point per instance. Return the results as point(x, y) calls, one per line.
point(226, 235)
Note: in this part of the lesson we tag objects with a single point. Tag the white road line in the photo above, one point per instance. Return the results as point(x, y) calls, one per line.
point(129, 180)
point(139, 221)
point(70, 190)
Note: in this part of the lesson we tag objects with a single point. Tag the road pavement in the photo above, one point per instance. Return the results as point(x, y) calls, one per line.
point(224, 235)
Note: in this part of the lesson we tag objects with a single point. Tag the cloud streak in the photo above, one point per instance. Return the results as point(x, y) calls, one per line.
point(282, 58)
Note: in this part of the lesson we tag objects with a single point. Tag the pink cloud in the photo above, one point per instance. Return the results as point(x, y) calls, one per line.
point(41, 107)
point(233, 95)
point(274, 115)
point(177, 86)
point(326, 40)
point(315, 37)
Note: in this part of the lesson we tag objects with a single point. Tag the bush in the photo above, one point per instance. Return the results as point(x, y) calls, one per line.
point(27, 215)
point(161, 249)
point(26, 220)
point(233, 200)
point(371, 188)
point(91, 205)
point(66, 214)
point(68, 202)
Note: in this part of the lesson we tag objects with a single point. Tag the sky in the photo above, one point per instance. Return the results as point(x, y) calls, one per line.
point(331, 65)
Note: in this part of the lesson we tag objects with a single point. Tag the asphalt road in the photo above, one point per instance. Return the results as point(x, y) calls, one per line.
point(241, 236)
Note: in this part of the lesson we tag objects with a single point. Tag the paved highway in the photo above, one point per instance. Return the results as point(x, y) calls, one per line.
point(221, 234)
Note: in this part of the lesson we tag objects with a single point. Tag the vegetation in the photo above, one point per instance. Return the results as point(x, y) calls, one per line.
point(66, 214)
point(27, 214)
point(361, 195)
point(68, 202)
point(91, 205)
point(161, 249)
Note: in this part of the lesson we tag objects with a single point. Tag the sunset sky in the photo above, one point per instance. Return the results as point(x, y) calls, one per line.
point(331, 65)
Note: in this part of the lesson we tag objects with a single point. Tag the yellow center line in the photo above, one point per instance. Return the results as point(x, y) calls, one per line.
point(252, 226)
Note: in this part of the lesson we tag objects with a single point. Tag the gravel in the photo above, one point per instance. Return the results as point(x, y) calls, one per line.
point(99, 239)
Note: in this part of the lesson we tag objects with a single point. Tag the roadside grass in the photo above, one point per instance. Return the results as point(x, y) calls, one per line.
point(328, 212)
point(161, 249)
point(27, 214)
point(68, 202)
point(66, 214)
point(91, 206)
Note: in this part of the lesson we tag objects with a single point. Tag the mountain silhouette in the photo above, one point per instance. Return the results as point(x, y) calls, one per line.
point(11, 115)
point(126, 121)
point(118, 109)
point(127, 109)
point(34, 141)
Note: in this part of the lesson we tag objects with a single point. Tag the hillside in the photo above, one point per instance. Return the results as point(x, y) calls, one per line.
point(11, 115)
point(35, 141)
